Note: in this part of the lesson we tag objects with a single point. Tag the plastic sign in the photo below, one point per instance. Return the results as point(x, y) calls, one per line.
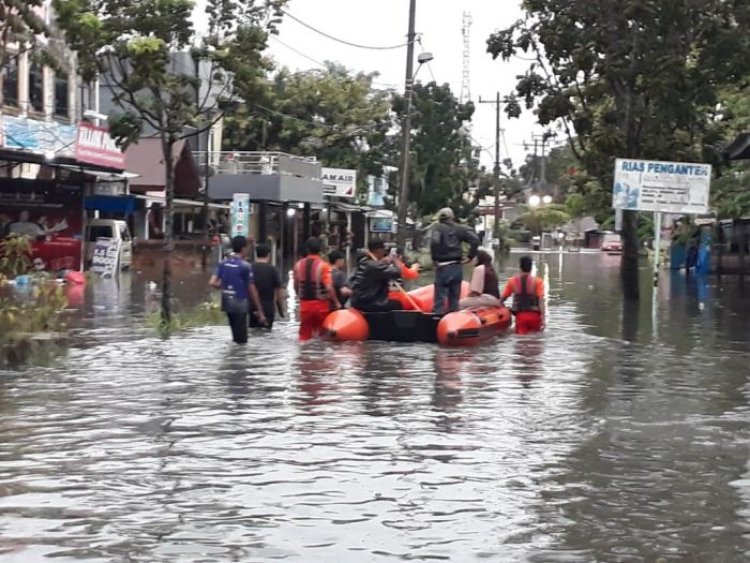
point(106, 260)
point(240, 215)
point(339, 182)
point(667, 187)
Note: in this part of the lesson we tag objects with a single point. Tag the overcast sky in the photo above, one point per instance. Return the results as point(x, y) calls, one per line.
point(385, 22)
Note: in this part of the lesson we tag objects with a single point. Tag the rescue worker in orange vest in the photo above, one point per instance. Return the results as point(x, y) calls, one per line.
point(528, 299)
point(314, 287)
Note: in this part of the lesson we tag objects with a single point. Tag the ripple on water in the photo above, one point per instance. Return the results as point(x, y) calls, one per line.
point(577, 445)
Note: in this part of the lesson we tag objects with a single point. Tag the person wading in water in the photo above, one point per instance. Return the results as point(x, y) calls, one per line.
point(314, 287)
point(528, 299)
point(234, 277)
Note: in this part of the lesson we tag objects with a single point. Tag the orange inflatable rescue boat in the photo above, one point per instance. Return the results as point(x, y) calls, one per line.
point(461, 328)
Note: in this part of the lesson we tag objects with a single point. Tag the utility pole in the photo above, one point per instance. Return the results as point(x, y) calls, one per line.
point(539, 178)
point(403, 201)
point(496, 169)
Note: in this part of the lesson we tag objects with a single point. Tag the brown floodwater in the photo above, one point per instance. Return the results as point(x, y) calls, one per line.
point(620, 434)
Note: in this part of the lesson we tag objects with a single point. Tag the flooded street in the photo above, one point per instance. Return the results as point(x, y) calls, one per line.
point(609, 438)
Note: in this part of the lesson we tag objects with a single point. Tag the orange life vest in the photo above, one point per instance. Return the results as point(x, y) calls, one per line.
point(524, 293)
point(308, 280)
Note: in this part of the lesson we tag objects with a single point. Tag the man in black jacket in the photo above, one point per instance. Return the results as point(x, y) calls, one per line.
point(448, 258)
point(371, 280)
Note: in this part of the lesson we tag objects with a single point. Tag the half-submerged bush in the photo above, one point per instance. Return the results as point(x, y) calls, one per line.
point(207, 313)
point(31, 320)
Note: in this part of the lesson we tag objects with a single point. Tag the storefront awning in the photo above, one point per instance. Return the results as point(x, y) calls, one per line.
point(181, 202)
point(124, 204)
point(100, 175)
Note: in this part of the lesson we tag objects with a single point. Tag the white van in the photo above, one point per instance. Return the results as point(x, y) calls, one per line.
point(110, 228)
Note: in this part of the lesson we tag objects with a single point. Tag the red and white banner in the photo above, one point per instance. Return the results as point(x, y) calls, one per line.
point(95, 146)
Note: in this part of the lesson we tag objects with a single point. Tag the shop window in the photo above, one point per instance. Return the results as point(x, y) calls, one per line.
point(62, 102)
point(36, 87)
point(10, 80)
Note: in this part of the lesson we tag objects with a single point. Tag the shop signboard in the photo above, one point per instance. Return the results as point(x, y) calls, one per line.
point(240, 215)
point(106, 258)
point(339, 182)
point(37, 136)
point(382, 224)
point(662, 187)
point(94, 145)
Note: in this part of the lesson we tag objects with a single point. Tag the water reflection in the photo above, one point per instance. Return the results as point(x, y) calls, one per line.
point(527, 356)
point(599, 440)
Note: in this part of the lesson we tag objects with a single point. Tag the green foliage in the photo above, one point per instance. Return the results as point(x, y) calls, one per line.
point(730, 194)
point(206, 314)
point(22, 24)
point(32, 324)
point(629, 78)
point(441, 164)
point(15, 256)
point(23, 316)
point(544, 218)
point(135, 44)
point(332, 114)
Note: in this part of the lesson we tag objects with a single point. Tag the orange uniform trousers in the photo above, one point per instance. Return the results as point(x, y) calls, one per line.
point(312, 313)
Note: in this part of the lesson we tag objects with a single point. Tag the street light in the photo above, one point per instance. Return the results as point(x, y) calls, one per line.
point(546, 200)
point(534, 201)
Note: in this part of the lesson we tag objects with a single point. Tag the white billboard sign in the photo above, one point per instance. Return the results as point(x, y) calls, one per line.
point(667, 187)
point(339, 182)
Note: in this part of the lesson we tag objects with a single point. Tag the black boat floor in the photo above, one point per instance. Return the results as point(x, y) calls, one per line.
point(403, 326)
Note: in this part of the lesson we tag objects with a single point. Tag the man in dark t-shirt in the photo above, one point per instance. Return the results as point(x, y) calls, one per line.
point(268, 282)
point(338, 276)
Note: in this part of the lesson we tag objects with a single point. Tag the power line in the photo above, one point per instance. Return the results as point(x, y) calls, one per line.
point(349, 43)
point(324, 66)
point(300, 53)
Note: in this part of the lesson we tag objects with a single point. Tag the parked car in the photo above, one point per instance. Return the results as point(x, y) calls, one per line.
point(111, 229)
point(536, 243)
point(612, 243)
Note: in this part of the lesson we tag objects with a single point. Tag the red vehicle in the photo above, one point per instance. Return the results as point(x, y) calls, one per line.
point(611, 243)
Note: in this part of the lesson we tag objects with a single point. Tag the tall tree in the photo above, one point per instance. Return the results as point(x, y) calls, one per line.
point(332, 114)
point(22, 28)
point(134, 43)
point(627, 78)
point(441, 165)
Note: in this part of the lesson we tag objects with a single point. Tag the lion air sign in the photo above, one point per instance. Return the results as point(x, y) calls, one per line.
point(95, 146)
point(338, 182)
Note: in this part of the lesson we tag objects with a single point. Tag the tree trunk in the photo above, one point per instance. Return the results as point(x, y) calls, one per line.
point(166, 296)
point(630, 252)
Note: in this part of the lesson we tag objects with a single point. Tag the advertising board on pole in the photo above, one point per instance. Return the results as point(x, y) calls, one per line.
point(339, 182)
point(106, 259)
point(665, 187)
point(240, 215)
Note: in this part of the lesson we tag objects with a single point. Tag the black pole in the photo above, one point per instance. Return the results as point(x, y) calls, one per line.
point(306, 224)
point(262, 226)
point(496, 169)
point(403, 201)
